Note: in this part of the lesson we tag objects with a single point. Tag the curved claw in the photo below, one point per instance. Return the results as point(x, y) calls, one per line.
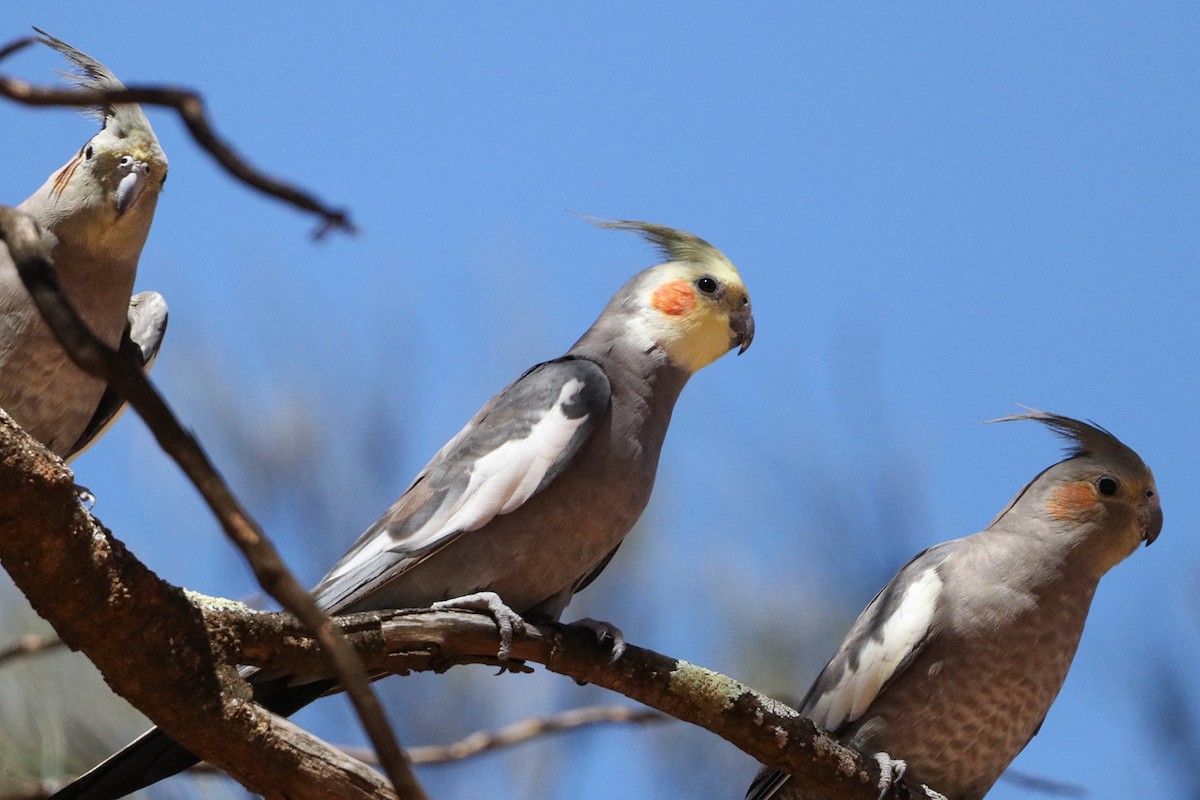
point(508, 621)
point(605, 631)
point(891, 771)
point(85, 496)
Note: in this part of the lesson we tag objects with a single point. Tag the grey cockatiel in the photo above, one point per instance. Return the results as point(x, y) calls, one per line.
point(528, 502)
point(953, 666)
point(94, 214)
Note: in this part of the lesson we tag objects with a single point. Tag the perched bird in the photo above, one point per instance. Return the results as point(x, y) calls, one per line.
point(952, 667)
point(526, 504)
point(94, 216)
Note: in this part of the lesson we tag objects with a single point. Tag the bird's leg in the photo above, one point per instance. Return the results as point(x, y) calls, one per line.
point(891, 771)
point(604, 631)
point(508, 621)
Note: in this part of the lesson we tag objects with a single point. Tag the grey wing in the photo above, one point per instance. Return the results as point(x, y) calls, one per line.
point(512, 449)
point(144, 331)
point(884, 640)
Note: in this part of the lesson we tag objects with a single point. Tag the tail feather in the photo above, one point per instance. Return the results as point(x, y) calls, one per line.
point(154, 755)
point(146, 760)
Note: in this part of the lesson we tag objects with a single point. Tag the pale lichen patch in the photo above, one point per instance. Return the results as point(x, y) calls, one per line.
point(827, 748)
point(710, 691)
point(781, 737)
point(214, 603)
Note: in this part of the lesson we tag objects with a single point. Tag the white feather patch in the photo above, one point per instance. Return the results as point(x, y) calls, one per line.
point(505, 478)
point(880, 655)
point(501, 481)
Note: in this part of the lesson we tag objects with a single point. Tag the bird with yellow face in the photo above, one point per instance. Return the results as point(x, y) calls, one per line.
point(527, 504)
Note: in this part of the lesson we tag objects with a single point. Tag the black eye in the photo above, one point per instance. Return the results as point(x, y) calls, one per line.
point(1108, 485)
point(87, 152)
point(706, 284)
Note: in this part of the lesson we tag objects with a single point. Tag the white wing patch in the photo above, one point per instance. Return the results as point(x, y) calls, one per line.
point(505, 478)
point(879, 657)
point(500, 482)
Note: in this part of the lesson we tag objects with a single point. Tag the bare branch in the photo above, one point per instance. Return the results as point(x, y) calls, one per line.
point(190, 107)
point(117, 607)
point(518, 733)
point(28, 646)
point(408, 640)
point(528, 729)
point(95, 358)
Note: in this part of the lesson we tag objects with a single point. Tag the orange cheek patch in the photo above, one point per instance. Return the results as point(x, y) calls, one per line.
point(1072, 500)
point(64, 175)
point(674, 298)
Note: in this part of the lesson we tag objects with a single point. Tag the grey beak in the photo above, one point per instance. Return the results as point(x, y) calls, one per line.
point(741, 322)
point(1154, 524)
point(131, 186)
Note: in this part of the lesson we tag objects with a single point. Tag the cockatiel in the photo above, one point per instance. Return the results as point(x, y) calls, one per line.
point(952, 667)
point(526, 504)
point(94, 214)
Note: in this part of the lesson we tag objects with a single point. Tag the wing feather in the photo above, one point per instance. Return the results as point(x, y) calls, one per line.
point(883, 641)
point(511, 450)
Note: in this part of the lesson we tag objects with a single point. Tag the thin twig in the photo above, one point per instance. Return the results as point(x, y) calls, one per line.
point(526, 730)
point(190, 107)
point(28, 646)
point(1036, 783)
point(518, 733)
point(95, 358)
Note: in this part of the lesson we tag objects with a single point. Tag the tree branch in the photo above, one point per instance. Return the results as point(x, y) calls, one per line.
point(116, 607)
point(421, 640)
point(91, 355)
point(28, 646)
point(183, 672)
point(529, 729)
point(190, 107)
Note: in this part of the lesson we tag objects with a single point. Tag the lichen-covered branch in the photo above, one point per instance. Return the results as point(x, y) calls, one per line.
point(190, 107)
point(415, 640)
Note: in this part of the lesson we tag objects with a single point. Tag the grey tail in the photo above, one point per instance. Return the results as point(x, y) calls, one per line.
point(154, 755)
point(146, 760)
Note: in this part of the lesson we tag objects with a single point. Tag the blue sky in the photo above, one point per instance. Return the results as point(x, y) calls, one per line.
point(939, 209)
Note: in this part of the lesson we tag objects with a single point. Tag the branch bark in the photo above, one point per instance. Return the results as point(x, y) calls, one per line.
point(421, 640)
point(117, 607)
point(186, 644)
point(190, 107)
point(90, 354)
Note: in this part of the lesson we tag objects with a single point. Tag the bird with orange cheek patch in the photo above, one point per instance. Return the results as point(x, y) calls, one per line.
point(951, 669)
point(528, 503)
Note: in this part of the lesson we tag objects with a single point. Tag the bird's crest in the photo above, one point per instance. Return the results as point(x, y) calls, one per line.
point(1083, 438)
point(91, 74)
point(671, 244)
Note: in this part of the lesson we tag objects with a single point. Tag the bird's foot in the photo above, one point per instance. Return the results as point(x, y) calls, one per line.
point(605, 631)
point(86, 498)
point(508, 621)
point(891, 771)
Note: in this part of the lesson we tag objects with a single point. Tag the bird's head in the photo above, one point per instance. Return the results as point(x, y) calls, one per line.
point(106, 195)
point(1102, 495)
point(694, 307)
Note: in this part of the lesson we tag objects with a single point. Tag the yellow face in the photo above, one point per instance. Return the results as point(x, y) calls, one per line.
point(105, 165)
point(1125, 507)
point(696, 312)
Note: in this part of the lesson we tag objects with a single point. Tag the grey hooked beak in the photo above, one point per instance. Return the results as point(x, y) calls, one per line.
point(130, 187)
point(741, 322)
point(1152, 519)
